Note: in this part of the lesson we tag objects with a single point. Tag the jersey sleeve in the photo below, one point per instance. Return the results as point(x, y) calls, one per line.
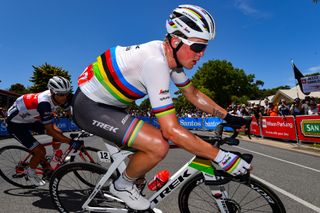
point(180, 78)
point(156, 78)
point(44, 109)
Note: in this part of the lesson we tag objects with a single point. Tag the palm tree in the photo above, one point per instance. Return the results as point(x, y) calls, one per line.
point(43, 73)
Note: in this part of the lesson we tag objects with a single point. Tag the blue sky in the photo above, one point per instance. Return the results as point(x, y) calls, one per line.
point(260, 37)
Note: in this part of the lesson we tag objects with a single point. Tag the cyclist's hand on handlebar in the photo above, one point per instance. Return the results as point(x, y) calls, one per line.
point(232, 163)
point(235, 120)
point(76, 144)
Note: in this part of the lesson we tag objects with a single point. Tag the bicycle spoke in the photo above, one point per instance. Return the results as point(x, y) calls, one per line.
point(11, 168)
point(71, 188)
point(238, 197)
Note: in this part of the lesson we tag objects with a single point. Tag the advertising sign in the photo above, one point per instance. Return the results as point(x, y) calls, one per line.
point(191, 123)
point(73, 126)
point(3, 129)
point(63, 124)
point(308, 128)
point(254, 128)
point(211, 123)
point(311, 83)
point(279, 127)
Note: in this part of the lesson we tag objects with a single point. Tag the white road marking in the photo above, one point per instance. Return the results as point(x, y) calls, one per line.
point(279, 159)
point(293, 197)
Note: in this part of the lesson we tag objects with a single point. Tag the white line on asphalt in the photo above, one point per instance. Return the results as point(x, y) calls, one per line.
point(295, 198)
point(279, 159)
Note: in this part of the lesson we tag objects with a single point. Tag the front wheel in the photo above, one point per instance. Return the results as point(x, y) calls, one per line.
point(69, 193)
point(196, 197)
point(14, 160)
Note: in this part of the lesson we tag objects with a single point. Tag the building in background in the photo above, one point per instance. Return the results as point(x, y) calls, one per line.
point(7, 98)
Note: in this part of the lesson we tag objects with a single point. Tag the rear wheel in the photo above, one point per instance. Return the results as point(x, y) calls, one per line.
point(69, 193)
point(196, 197)
point(14, 161)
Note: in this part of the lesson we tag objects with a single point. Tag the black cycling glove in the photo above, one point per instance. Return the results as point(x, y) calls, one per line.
point(235, 120)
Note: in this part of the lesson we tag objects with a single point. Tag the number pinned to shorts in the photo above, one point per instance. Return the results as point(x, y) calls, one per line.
point(104, 156)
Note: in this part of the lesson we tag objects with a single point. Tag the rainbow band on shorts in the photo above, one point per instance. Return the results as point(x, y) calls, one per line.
point(132, 132)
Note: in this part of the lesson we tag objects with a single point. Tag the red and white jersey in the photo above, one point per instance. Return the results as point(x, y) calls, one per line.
point(122, 75)
point(29, 108)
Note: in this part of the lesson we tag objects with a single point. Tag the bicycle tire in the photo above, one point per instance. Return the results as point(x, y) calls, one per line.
point(68, 193)
point(10, 170)
point(195, 196)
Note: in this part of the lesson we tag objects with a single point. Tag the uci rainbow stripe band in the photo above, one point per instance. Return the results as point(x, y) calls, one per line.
point(232, 165)
point(163, 110)
point(184, 85)
point(109, 75)
point(132, 132)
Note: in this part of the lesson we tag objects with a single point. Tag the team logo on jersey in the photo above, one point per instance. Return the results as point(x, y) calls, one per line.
point(86, 75)
point(163, 92)
point(164, 98)
point(31, 101)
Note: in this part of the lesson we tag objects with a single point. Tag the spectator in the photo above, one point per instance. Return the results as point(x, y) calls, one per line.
point(305, 105)
point(243, 110)
point(262, 110)
point(234, 111)
point(313, 108)
point(266, 102)
point(257, 113)
point(273, 110)
point(296, 108)
point(283, 108)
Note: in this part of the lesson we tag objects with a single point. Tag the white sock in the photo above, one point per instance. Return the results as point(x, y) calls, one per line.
point(124, 181)
point(31, 172)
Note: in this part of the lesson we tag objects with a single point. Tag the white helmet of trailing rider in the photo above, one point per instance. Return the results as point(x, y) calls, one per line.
point(191, 21)
point(59, 85)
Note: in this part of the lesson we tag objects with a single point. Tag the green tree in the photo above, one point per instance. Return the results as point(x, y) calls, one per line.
point(225, 84)
point(43, 73)
point(18, 88)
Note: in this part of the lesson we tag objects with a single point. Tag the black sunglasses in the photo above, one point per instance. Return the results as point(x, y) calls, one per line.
point(61, 94)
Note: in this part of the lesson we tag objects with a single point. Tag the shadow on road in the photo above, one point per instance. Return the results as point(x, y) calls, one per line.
point(43, 203)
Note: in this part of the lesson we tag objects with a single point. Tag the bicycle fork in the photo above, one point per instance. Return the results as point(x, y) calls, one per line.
point(219, 194)
point(118, 163)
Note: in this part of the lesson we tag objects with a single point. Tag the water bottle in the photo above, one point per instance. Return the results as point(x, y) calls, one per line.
point(57, 155)
point(159, 180)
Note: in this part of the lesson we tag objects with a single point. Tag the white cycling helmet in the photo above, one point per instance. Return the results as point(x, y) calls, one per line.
point(59, 85)
point(191, 21)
